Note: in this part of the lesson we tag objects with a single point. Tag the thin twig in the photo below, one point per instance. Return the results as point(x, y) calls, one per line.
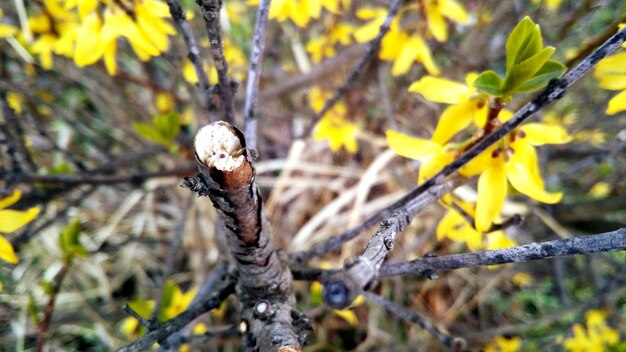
point(254, 73)
point(211, 14)
point(47, 315)
point(372, 49)
point(610, 241)
point(178, 16)
point(455, 344)
point(80, 179)
point(554, 91)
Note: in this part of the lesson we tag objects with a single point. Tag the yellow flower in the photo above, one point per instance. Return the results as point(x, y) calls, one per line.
point(16, 101)
point(469, 104)
point(334, 125)
point(338, 131)
point(522, 279)
point(300, 12)
point(515, 160)
point(324, 45)
point(597, 336)
point(457, 227)
point(436, 10)
point(12, 220)
point(611, 72)
point(398, 46)
point(502, 344)
point(552, 5)
point(433, 155)
point(600, 190)
point(164, 102)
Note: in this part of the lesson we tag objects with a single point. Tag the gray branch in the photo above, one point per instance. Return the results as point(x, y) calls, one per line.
point(610, 241)
point(254, 73)
point(360, 273)
point(178, 16)
point(211, 14)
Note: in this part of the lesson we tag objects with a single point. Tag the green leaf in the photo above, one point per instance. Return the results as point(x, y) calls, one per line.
point(489, 82)
point(169, 125)
point(143, 308)
point(525, 70)
point(524, 42)
point(150, 133)
point(163, 129)
point(551, 69)
point(69, 240)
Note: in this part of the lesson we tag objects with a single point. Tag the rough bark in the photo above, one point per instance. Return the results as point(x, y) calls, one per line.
point(265, 283)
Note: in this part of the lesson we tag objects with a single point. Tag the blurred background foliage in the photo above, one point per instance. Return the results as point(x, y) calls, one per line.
point(99, 105)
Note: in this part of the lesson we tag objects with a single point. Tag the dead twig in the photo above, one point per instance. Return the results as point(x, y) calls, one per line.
point(254, 73)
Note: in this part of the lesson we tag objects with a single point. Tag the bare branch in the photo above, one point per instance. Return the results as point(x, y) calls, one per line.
point(47, 315)
point(372, 49)
point(455, 344)
point(178, 16)
point(211, 14)
point(254, 73)
point(360, 273)
point(610, 241)
point(95, 179)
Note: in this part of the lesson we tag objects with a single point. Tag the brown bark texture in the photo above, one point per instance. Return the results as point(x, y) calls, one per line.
point(264, 285)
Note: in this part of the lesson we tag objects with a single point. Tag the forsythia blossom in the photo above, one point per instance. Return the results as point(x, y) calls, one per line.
point(611, 72)
point(87, 31)
point(512, 160)
point(334, 125)
point(11, 220)
point(597, 335)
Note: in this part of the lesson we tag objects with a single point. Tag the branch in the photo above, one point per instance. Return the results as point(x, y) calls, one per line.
point(455, 344)
point(178, 16)
point(610, 241)
point(91, 179)
point(554, 91)
point(254, 73)
point(360, 273)
point(227, 177)
point(47, 315)
point(211, 14)
point(161, 331)
point(372, 49)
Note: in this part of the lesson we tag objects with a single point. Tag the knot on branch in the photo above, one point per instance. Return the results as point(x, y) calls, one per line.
point(337, 294)
point(196, 184)
point(217, 88)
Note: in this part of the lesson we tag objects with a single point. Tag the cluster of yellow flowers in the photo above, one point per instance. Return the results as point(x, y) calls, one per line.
point(512, 159)
point(597, 335)
point(301, 12)
point(86, 31)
